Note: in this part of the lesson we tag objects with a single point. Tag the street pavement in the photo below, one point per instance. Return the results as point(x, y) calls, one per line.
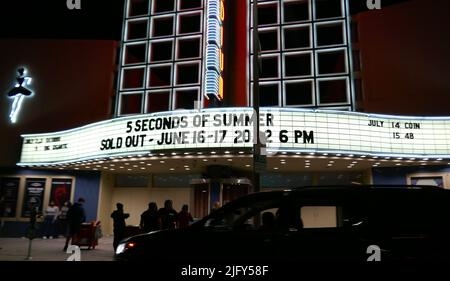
point(16, 249)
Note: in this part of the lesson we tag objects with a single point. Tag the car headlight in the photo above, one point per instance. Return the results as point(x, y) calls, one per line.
point(122, 247)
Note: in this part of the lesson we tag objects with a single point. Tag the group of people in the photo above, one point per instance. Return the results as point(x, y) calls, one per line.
point(152, 219)
point(65, 221)
point(55, 220)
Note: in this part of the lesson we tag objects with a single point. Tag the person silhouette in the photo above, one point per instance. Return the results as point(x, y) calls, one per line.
point(149, 218)
point(168, 216)
point(75, 217)
point(184, 217)
point(119, 217)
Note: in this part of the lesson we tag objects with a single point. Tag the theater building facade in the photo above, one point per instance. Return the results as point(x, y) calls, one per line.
point(183, 125)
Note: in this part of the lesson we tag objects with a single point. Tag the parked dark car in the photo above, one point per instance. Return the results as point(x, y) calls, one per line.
point(358, 223)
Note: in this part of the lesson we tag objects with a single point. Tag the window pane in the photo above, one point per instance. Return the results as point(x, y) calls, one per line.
point(130, 103)
point(9, 192)
point(162, 26)
point(135, 53)
point(318, 216)
point(190, 4)
point(158, 101)
point(296, 11)
point(328, 9)
point(299, 93)
point(187, 73)
point(298, 37)
point(330, 34)
point(189, 23)
point(137, 7)
point(269, 67)
point(331, 62)
point(268, 40)
point(160, 6)
point(267, 14)
point(333, 91)
point(185, 98)
point(133, 78)
point(161, 51)
point(124, 180)
point(268, 95)
point(298, 65)
point(160, 76)
point(137, 30)
point(189, 48)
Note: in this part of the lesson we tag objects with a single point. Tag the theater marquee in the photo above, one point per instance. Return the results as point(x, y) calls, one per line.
point(286, 130)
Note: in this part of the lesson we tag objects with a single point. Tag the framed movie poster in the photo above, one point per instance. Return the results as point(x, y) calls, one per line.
point(34, 195)
point(428, 180)
point(9, 190)
point(60, 191)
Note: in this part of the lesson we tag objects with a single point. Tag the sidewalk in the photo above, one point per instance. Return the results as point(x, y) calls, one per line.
point(16, 249)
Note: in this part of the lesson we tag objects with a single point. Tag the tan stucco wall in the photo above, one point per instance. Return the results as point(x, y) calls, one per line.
point(135, 200)
point(104, 202)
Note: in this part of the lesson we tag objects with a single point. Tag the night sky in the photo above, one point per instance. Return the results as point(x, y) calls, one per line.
point(98, 19)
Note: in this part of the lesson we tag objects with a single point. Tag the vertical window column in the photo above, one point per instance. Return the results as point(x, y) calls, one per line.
point(161, 57)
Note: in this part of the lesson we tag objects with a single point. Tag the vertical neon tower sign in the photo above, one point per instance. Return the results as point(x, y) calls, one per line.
point(18, 93)
point(214, 54)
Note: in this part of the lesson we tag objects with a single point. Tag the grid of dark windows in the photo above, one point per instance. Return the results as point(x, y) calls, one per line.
point(304, 53)
point(162, 56)
point(357, 68)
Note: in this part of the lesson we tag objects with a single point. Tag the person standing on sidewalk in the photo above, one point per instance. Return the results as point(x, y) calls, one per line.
point(75, 217)
point(119, 217)
point(149, 218)
point(168, 216)
point(51, 214)
point(184, 217)
point(62, 219)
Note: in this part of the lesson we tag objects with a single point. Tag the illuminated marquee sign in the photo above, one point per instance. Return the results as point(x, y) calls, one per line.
point(286, 130)
point(214, 55)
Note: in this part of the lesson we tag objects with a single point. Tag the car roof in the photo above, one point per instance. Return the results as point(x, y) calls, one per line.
point(341, 189)
point(357, 187)
point(381, 193)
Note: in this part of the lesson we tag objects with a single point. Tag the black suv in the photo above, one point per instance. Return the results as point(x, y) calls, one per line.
point(360, 223)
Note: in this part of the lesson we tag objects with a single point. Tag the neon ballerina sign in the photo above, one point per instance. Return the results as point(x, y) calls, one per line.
point(18, 93)
point(214, 55)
